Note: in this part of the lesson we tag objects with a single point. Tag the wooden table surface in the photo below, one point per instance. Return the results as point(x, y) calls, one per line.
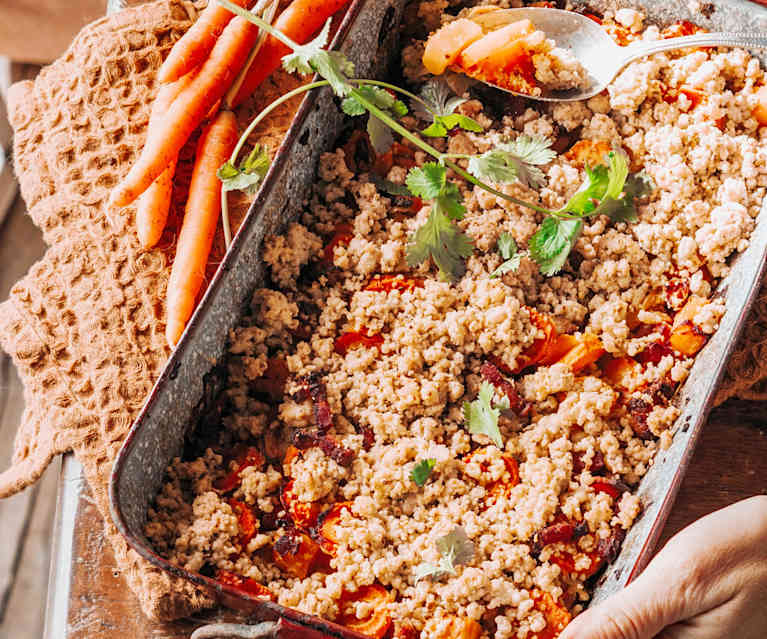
point(88, 598)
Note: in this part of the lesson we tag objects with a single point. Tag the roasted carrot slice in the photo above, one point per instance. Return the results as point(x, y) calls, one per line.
point(588, 350)
point(503, 487)
point(760, 110)
point(557, 616)
point(566, 562)
point(246, 520)
point(244, 584)
point(304, 514)
point(541, 345)
point(445, 45)
point(686, 337)
point(243, 457)
point(557, 349)
point(295, 553)
point(352, 339)
point(496, 49)
point(460, 628)
point(329, 521)
point(618, 371)
point(591, 152)
point(388, 283)
point(377, 623)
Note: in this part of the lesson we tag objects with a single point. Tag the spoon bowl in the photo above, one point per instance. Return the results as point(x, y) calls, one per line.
point(597, 52)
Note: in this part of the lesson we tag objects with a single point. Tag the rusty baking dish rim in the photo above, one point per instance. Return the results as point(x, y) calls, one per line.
point(314, 624)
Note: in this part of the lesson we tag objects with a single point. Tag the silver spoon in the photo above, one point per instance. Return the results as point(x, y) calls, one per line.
point(596, 50)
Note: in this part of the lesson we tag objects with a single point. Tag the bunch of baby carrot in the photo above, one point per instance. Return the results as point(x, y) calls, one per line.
point(212, 69)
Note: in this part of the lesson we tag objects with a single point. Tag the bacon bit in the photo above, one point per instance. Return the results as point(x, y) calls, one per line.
point(491, 374)
point(499, 364)
point(303, 514)
point(397, 155)
point(343, 234)
point(721, 123)
point(389, 283)
point(677, 291)
point(638, 410)
point(295, 553)
point(654, 353)
point(557, 616)
point(613, 487)
point(610, 548)
point(594, 17)
point(273, 381)
point(246, 520)
point(351, 339)
point(244, 584)
point(596, 466)
point(244, 456)
point(566, 562)
point(404, 204)
point(555, 533)
point(315, 387)
point(303, 439)
point(368, 437)
point(272, 521)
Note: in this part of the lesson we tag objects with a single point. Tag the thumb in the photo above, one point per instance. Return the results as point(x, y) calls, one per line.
point(639, 611)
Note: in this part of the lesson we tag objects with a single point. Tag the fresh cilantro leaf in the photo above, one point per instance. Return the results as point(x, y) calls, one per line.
point(449, 202)
point(311, 57)
point(422, 470)
point(389, 187)
point(515, 160)
point(552, 243)
point(638, 186)
point(428, 181)
point(507, 247)
point(443, 242)
point(439, 99)
point(249, 175)
point(455, 549)
point(584, 200)
point(482, 414)
point(443, 124)
point(381, 136)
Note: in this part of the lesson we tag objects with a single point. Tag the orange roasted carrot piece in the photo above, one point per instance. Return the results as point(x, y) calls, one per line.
point(587, 351)
point(200, 218)
point(188, 110)
point(299, 21)
point(153, 205)
point(196, 44)
point(378, 622)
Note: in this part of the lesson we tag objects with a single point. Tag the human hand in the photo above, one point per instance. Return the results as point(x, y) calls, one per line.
point(708, 582)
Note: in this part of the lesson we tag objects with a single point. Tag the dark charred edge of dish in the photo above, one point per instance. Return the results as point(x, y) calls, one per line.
point(651, 541)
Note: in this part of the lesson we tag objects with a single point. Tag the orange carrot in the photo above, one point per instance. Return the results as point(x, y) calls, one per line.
point(188, 110)
point(200, 218)
point(153, 205)
point(299, 21)
point(196, 44)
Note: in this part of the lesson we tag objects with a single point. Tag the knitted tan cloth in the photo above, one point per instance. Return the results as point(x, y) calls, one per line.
point(85, 326)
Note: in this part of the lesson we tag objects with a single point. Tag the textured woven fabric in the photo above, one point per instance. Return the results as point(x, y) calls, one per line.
point(85, 326)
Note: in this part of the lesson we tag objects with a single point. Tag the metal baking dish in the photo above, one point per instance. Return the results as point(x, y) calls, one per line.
point(192, 376)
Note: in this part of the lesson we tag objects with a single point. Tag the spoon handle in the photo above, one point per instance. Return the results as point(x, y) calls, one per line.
point(745, 40)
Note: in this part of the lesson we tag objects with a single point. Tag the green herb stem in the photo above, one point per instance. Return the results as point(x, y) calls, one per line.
point(251, 17)
point(244, 137)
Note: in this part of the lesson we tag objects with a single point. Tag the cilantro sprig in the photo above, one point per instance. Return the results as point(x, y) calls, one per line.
point(248, 176)
point(439, 239)
point(607, 190)
point(481, 415)
point(455, 548)
point(422, 470)
point(507, 248)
